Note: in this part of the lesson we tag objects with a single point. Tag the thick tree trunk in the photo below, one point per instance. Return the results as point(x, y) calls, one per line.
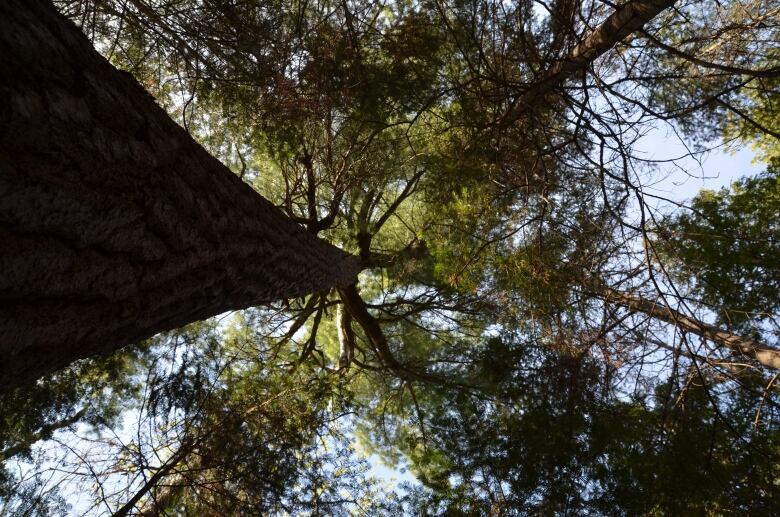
point(114, 223)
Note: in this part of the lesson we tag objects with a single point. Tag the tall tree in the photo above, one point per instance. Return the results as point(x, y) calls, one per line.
point(517, 323)
point(115, 223)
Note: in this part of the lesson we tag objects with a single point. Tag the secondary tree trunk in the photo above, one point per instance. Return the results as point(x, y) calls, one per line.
point(114, 223)
point(44, 432)
point(627, 19)
point(740, 345)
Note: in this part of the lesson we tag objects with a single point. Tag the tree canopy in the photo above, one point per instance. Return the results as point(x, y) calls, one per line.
point(536, 328)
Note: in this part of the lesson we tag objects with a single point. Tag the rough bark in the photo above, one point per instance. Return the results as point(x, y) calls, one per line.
point(740, 345)
point(115, 225)
point(627, 18)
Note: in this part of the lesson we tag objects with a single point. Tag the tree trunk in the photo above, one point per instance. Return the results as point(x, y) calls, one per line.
point(627, 19)
point(152, 482)
point(44, 432)
point(740, 345)
point(115, 225)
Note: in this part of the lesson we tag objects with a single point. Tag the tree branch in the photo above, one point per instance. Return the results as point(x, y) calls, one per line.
point(44, 432)
point(626, 19)
point(768, 357)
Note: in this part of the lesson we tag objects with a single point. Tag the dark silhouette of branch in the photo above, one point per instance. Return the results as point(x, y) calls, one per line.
point(766, 356)
point(626, 19)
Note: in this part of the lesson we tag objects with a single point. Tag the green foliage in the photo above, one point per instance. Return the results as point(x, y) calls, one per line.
point(512, 387)
point(261, 438)
point(93, 392)
point(550, 442)
point(696, 90)
point(759, 123)
point(729, 246)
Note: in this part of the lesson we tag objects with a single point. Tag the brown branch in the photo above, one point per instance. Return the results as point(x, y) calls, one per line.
point(416, 250)
point(311, 343)
point(163, 471)
point(44, 432)
point(747, 118)
point(346, 337)
point(357, 309)
point(355, 305)
point(768, 357)
point(626, 19)
point(768, 73)
point(405, 193)
point(308, 309)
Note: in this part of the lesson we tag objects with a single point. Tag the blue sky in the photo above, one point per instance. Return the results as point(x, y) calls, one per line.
point(682, 179)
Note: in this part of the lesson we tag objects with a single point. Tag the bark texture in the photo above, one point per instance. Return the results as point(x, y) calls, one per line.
point(114, 224)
